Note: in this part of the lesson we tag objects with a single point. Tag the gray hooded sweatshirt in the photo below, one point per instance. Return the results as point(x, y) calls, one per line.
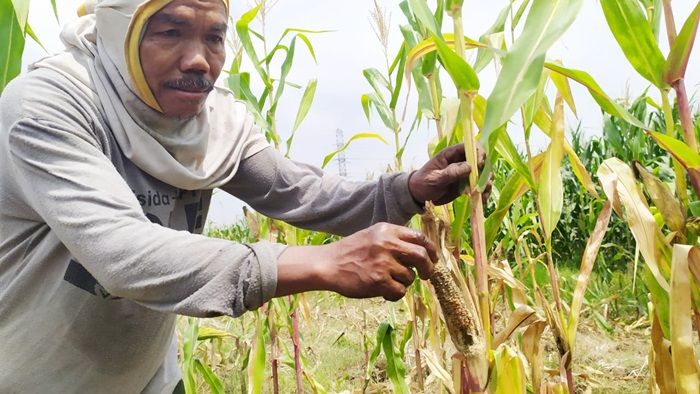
point(97, 257)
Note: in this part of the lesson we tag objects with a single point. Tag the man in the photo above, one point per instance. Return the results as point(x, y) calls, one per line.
point(108, 155)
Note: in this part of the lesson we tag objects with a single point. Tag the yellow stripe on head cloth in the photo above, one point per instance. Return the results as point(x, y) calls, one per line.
point(194, 153)
point(120, 25)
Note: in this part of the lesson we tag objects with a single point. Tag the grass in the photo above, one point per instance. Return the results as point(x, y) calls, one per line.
point(333, 335)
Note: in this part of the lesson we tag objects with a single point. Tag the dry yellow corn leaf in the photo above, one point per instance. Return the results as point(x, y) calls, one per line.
point(619, 184)
point(587, 261)
point(661, 351)
point(532, 349)
point(685, 367)
point(522, 317)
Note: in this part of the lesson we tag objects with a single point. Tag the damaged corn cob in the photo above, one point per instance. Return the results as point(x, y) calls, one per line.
point(458, 309)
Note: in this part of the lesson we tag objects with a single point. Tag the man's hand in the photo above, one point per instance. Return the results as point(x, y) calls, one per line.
point(439, 179)
point(376, 262)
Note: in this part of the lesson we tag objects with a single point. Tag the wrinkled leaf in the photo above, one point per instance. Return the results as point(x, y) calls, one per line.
point(620, 187)
point(589, 256)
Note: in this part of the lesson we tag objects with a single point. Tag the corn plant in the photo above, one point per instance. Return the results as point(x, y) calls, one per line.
point(14, 29)
point(520, 87)
point(668, 242)
point(279, 316)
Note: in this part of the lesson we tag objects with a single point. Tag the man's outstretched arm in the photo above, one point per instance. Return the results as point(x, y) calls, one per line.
point(302, 195)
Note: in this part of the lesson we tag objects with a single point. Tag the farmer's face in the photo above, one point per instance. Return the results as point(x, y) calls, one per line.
point(182, 52)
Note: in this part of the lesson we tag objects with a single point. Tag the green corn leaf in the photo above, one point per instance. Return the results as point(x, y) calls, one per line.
point(551, 189)
point(503, 143)
point(209, 377)
point(205, 333)
point(686, 156)
point(463, 75)
point(677, 62)
point(378, 81)
point(302, 36)
point(509, 372)
point(410, 17)
point(310, 47)
point(424, 15)
point(533, 105)
point(10, 50)
point(257, 367)
point(385, 113)
point(605, 102)
point(284, 72)
point(519, 13)
point(381, 333)
point(188, 348)
point(30, 33)
point(679, 149)
point(544, 122)
point(636, 38)
point(355, 137)
point(21, 9)
point(366, 105)
point(395, 367)
point(239, 84)
point(401, 57)
point(484, 56)
point(522, 66)
point(515, 188)
point(55, 10)
point(244, 32)
point(268, 59)
point(563, 87)
point(663, 198)
point(305, 104)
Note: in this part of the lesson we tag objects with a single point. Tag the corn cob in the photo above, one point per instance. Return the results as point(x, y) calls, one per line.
point(458, 309)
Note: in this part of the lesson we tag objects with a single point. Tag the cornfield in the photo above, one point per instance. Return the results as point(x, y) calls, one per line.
point(590, 235)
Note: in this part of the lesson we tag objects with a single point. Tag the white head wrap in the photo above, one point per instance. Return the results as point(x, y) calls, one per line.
point(202, 152)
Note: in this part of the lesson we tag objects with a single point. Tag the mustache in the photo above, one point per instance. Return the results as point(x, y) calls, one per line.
point(191, 83)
